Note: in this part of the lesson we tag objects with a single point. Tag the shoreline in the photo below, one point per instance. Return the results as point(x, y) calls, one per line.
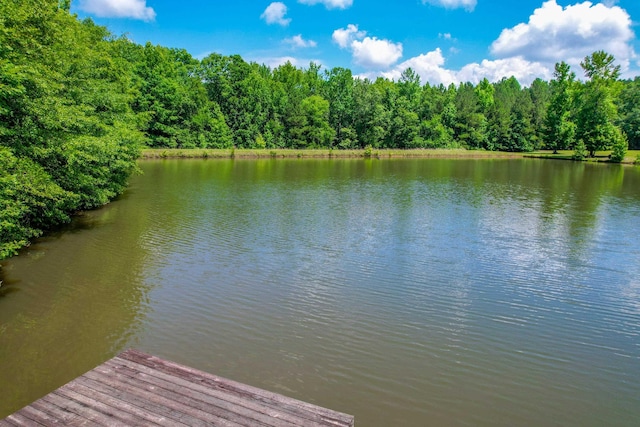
point(324, 153)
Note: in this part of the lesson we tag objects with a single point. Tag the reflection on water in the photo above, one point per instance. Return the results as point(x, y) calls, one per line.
point(405, 292)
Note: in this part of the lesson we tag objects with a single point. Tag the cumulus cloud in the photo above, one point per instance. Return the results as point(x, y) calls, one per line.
point(468, 5)
point(530, 50)
point(345, 36)
point(431, 68)
point(428, 66)
point(518, 67)
point(555, 33)
point(329, 4)
point(368, 52)
point(298, 41)
point(372, 52)
point(136, 9)
point(275, 14)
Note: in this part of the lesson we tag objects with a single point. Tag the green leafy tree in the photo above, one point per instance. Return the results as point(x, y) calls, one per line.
point(629, 108)
point(316, 132)
point(540, 92)
point(580, 151)
point(371, 118)
point(470, 127)
point(522, 134)
point(597, 113)
point(620, 147)
point(437, 114)
point(497, 101)
point(559, 128)
point(338, 90)
point(68, 137)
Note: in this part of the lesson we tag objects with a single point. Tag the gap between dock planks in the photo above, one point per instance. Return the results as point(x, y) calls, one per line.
point(135, 389)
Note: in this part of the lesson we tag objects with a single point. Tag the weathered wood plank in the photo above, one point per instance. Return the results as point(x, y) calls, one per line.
point(243, 390)
point(18, 420)
point(186, 404)
point(38, 417)
point(57, 415)
point(147, 400)
point(135, 388)
point(248, 411)
point(81, 415)
point(184, 411)
point(118, 415)
point(171, 417)
point(147, 417)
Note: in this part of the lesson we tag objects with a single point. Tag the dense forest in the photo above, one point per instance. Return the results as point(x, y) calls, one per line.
point(77, 104)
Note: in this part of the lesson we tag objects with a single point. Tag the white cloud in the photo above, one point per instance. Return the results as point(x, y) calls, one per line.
point(526, 51)
point(136, 9)
point(298, 41)
point(468, 5)
point(372, 52)
point(345, 36)
point(275, 14)
point(431, 68)
point(369, 52)
point(568, 34)
point(518, 67)
point(329, 4)
point(428, 66)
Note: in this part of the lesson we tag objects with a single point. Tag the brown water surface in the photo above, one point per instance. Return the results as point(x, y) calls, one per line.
point(405, 292)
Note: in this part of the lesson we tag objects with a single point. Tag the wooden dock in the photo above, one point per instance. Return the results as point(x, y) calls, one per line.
point(135, 389)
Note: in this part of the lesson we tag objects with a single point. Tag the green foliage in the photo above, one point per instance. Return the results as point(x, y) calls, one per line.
point(580, 151)
point(259, 142)
point(560, 130)
point(629, 108)
point(597, 111)
point(68, 137)
point(314, 129)
point(76, 105)
point(30, 201)
point(620, 147)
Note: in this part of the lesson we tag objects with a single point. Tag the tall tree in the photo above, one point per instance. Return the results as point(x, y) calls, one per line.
point(629, 108)
point(540, 92)
point(471, 123)
point(559, 130)
point(597, 114)
point(338, 90)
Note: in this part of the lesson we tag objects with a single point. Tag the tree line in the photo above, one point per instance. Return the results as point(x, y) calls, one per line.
point(224, 101)
point(77, 104)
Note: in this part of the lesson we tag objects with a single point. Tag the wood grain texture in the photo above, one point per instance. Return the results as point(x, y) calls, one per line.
point(135, 388)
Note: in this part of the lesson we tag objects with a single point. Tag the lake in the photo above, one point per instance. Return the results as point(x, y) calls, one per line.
point(406, 292)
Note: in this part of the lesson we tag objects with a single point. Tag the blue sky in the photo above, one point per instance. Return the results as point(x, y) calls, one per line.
point(445, 41)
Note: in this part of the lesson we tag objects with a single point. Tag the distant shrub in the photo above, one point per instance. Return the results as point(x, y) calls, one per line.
point(619, 149)
point(580, 151)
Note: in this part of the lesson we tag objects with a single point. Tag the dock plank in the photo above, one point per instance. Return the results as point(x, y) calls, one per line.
point(307, 410)
point(201, 397)
point(135, 388)
point(249, 409)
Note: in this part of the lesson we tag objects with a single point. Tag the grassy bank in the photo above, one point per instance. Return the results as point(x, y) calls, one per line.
point(198, 153)
point(600, 157)
point(322, 153)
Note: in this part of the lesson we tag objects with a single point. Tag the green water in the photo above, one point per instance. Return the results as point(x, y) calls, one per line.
point(405, 292)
